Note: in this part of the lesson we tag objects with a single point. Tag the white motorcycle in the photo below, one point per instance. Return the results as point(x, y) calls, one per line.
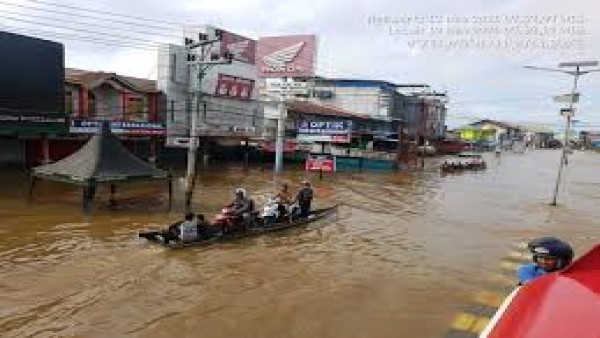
point(271, 213)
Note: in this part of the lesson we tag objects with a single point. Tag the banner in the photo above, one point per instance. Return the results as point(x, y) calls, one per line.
point(234, 87)
point(82, 126)
point(324, 138)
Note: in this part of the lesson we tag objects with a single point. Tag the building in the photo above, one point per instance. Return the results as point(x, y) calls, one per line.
point(381, 100)
point(590, 139)
point(489, 133)
point(224, 101)
point(135, 106)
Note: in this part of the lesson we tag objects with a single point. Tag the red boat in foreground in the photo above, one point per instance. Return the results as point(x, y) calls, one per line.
point(558, 305)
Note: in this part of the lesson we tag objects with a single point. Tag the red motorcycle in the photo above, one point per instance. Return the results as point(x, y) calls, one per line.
point(228, 222)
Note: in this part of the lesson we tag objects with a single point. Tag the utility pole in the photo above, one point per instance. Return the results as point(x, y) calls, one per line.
point(280, 137)
point(423, 124)
point(203, 65)
point(570, 112)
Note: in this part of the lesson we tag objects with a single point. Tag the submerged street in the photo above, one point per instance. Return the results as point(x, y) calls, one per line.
point(404, 253)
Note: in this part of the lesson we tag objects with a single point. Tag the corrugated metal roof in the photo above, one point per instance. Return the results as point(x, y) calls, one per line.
point(307, 107)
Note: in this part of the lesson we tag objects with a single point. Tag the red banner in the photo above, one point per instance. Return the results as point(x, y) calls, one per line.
point(320, 163)
point(288, 146)
point(234, 87)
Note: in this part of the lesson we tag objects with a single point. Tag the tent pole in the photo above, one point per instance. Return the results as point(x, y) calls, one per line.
point(32, 180)
point(84, 199)
point(89, 191)
point(170, 183)
point(111, 201)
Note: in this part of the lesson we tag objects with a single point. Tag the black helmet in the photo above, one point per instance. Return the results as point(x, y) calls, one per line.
point(554, 248)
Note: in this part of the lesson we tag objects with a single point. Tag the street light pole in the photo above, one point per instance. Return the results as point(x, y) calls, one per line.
point(576, 74)
point(563, 158)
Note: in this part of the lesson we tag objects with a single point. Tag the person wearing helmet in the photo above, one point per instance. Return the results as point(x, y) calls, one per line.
point(550, 254)
point(241, 203)
point(242, 207)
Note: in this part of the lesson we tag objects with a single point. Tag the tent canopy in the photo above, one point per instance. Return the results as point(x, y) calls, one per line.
point(103, 159)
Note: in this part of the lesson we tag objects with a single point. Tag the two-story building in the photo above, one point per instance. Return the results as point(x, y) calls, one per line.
point(134, 106)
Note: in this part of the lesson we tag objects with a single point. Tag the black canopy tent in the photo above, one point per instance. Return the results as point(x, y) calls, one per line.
point(102, 160)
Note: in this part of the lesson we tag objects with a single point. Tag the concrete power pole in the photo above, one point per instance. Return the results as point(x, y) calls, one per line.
point(280, 137)
point(570, 112)
point(203, 65)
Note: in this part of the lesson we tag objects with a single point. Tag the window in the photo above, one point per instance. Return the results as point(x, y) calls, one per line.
point(135, 109)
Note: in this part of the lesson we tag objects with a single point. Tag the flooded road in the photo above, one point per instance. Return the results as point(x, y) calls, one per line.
point(404, 254)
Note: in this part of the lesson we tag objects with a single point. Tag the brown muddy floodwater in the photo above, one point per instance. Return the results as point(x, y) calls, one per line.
point(404, 254)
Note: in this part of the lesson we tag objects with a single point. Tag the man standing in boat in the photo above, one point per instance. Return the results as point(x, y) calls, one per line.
point(304, 199)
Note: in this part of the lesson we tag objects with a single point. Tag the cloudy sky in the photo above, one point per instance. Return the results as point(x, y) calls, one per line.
point(473, 49)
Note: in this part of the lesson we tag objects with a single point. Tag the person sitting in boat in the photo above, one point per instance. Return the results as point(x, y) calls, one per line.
point(205, 230)
point(188, 230)
point(549, 254)
point(242, 206)
point(304, 199)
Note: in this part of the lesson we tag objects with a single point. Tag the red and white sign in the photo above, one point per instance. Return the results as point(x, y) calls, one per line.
point(234, 87)
point(242, 48)
point(320, 163)
point(286, 56)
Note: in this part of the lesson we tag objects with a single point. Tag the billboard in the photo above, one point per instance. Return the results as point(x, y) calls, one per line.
point(234, 87)
point(33, 74)
point(325, 127)
point(325, 131)
point(242, 48)
point(286, 56)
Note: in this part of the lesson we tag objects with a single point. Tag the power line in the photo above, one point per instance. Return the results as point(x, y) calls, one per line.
point(80, 15)
point(102, 12)
point(88, 24)
point(76, 38)
point(73, 29)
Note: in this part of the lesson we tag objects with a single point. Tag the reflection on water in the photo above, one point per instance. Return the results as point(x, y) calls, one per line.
point(399, 262)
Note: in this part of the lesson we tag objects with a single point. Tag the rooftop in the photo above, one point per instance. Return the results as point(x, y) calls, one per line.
point(307, 107)
point(90, 79)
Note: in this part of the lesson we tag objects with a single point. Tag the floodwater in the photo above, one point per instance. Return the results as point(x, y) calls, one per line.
point(400, 259)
